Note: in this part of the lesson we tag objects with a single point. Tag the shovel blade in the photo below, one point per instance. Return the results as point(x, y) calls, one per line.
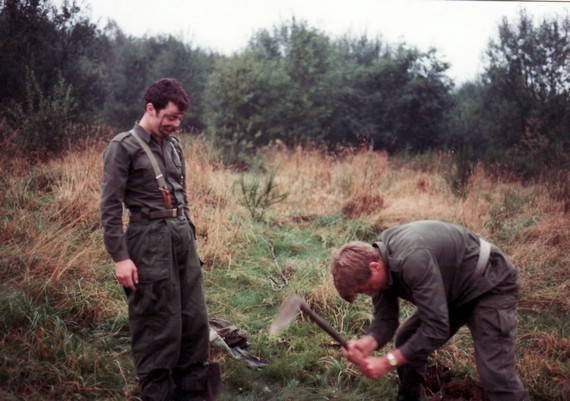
point(287, 313)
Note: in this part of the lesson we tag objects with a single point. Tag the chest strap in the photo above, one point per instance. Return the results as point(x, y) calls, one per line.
point(157, 173)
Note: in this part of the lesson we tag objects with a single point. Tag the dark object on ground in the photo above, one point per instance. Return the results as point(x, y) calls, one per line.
point(226, 336)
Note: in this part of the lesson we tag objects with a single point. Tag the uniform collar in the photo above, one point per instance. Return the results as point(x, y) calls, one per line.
point(146, 136)
point(385, 261)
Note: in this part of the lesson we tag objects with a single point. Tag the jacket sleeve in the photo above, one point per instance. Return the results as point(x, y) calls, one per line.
point(385, 323)
point(115, 175)
point(421, 274)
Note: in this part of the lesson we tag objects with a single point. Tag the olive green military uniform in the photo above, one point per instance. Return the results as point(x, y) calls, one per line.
point(167, 312)
point(433, 265)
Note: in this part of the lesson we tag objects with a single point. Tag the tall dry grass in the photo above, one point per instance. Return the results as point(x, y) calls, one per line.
point(51, 234)
point(360, 183)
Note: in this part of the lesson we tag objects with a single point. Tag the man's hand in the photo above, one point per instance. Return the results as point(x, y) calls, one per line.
point(127, 274)
point(353, 353)
point(358, 350)
point(375, 367)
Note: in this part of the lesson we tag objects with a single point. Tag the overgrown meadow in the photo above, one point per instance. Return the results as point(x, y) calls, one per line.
point(264, 235)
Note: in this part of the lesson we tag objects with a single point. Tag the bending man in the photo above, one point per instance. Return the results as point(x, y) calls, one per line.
point(454, 278)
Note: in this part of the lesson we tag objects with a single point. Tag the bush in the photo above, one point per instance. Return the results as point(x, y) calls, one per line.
point(44, 120)
point(259, 195)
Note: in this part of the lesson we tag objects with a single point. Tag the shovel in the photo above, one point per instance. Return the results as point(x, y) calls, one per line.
point(289, 310)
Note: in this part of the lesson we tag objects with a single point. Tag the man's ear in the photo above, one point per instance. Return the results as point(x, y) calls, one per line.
point(375, 266)
point(149, 108)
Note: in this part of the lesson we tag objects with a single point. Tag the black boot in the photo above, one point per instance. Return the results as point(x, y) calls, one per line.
point(410, 385)
point(190, 396)
point(402, 397)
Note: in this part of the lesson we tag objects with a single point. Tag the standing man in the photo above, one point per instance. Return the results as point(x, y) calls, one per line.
point(454, 278)
point(156, 259)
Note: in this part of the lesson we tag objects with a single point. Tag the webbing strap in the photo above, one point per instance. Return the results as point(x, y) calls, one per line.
point(157, 173)
point(484, 253)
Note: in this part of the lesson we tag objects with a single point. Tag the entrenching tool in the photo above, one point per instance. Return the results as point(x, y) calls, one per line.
point(289, 310)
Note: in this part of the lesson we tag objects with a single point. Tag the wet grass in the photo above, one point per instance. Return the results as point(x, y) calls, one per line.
point(65, 330)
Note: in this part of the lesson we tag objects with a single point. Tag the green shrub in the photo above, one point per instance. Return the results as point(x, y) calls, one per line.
point(259, 194)
point(44, 120)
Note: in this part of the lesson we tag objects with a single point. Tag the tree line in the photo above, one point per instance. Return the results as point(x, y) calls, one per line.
point(292, 83)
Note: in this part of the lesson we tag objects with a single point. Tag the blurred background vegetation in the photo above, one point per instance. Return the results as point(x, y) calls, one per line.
point(293, 84)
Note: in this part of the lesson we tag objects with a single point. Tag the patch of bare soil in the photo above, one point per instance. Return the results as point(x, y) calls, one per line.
point(440, 385)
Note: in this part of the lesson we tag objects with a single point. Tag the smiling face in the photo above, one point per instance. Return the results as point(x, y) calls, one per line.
point(164, 122)
point(165, 104)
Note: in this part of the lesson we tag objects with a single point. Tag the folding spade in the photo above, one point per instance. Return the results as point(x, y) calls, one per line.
point(289, 310)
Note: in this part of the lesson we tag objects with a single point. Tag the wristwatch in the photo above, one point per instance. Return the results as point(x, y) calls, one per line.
point(392, 359)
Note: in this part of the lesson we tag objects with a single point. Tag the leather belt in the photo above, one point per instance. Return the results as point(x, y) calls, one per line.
point(484, 253)
point(157, 214)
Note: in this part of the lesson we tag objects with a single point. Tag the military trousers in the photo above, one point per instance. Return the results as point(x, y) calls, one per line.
point(491, 319)
point(168, 319)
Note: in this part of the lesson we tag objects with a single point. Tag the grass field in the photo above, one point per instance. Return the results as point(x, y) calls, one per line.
point(64, 319)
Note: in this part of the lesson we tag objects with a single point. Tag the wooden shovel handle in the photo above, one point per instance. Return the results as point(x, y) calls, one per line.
point(323, 324)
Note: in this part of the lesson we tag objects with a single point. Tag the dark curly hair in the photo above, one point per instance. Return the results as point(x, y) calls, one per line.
point(166, 90)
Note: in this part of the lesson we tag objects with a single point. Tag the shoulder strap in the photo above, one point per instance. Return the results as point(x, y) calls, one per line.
point(157, 173)
point(484, 253)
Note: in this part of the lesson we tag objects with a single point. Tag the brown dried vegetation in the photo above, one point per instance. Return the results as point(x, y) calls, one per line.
point(50, 232)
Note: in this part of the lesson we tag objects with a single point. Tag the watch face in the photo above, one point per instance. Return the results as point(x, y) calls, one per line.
point(392, 359)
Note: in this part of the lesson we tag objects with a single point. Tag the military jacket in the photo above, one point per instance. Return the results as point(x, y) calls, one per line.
point(129, 180)
point(431, 264)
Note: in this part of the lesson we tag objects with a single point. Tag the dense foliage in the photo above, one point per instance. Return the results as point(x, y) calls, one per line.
point(296, 85)
point(293, 85)
point(59, 69)
point(519, 112)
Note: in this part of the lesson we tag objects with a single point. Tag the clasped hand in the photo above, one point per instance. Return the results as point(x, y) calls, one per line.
point(372, 367)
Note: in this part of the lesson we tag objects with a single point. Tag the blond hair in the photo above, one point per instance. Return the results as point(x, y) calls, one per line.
point(350, 267)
